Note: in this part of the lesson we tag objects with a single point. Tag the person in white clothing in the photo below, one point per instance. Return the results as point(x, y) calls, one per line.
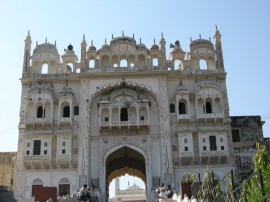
point(83, 193)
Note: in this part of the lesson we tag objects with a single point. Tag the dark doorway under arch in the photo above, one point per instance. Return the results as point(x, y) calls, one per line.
point(124, 161)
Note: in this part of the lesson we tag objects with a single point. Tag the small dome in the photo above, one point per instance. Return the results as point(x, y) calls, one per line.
point(70, 47)
point(46, 47)
point(105, 97)
point(141, 46)
point(201, 42)
point(123, 40)
point(105, 47)
point(155, 47)
point(177, 49)
point(92, 48)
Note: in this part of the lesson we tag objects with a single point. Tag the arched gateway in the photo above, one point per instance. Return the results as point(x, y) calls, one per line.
point(125, 160)
point(94, 120)
point(124, 136)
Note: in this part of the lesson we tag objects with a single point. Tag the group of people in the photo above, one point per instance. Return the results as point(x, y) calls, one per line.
point(164, 191)
point(85, 193)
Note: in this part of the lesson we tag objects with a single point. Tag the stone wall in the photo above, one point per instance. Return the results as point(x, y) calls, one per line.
point(7, 169)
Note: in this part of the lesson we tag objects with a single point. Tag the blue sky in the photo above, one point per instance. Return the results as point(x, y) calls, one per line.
point(244, 26)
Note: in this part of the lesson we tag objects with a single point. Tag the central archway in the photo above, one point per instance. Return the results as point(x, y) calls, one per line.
point(123, 161)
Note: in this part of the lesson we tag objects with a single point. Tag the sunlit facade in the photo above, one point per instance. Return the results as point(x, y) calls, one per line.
point(122, 109)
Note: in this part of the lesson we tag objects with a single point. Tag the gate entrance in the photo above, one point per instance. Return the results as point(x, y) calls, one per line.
point(124, 161)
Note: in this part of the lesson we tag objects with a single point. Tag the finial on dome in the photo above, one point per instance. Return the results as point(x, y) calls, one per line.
point(122, 33)
point(161, 34)
point(28, 33)
point(112, 36)
point(105, 41)
point(200, 36)
point(36, 43)
point(91, 42)
point(55, 42)
point(84, 37)
point(209, 38)
point(140, 40)
point(190, 39)
point(46, 40)
point(216, 27)
point(133, 35)
point(154, 41)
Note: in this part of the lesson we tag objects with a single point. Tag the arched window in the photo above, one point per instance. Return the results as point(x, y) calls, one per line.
point(76, 110)
point(123, 63)
point(178, 65)
point(66, 112)
point(69, 68)
point(155, 62)
point(172, 108)
point(44, 69)
point(202, 64)
point(91, 63)
point(208, 108)
point(40, 112)
point(124, 114)
point(182, 108)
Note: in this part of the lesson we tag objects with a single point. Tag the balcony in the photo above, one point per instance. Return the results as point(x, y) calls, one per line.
point(183, 118)
point(210, 118)
point(39, 122)
point(37, 161)
point(63, 160)
point(65, 122)
point(123, 124)
point(186, 158)
point(213, 157)
point(214, 153)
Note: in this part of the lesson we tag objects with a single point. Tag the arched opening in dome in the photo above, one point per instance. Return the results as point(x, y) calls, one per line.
point(123, 63)
point(91, 63)
point(69, 68)
point(178, 65)
point(155, 62)
point(44, 68)
point(182, 107)
point(202, 64)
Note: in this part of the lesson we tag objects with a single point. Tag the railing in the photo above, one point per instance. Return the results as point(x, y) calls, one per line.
point(214, 153)
point(186, 154)
point(123, 123)
point(205, 116)
point(37, 157)
point(62, 157)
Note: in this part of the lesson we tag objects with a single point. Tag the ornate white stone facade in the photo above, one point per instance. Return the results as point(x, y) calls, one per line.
point(123, 108)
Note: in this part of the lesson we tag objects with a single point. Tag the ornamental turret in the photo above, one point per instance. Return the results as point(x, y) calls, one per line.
point(83, 55)
point(218, 47)
point(27, 52)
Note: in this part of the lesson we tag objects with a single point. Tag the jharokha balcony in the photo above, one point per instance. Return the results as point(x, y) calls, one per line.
point(124, 124)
